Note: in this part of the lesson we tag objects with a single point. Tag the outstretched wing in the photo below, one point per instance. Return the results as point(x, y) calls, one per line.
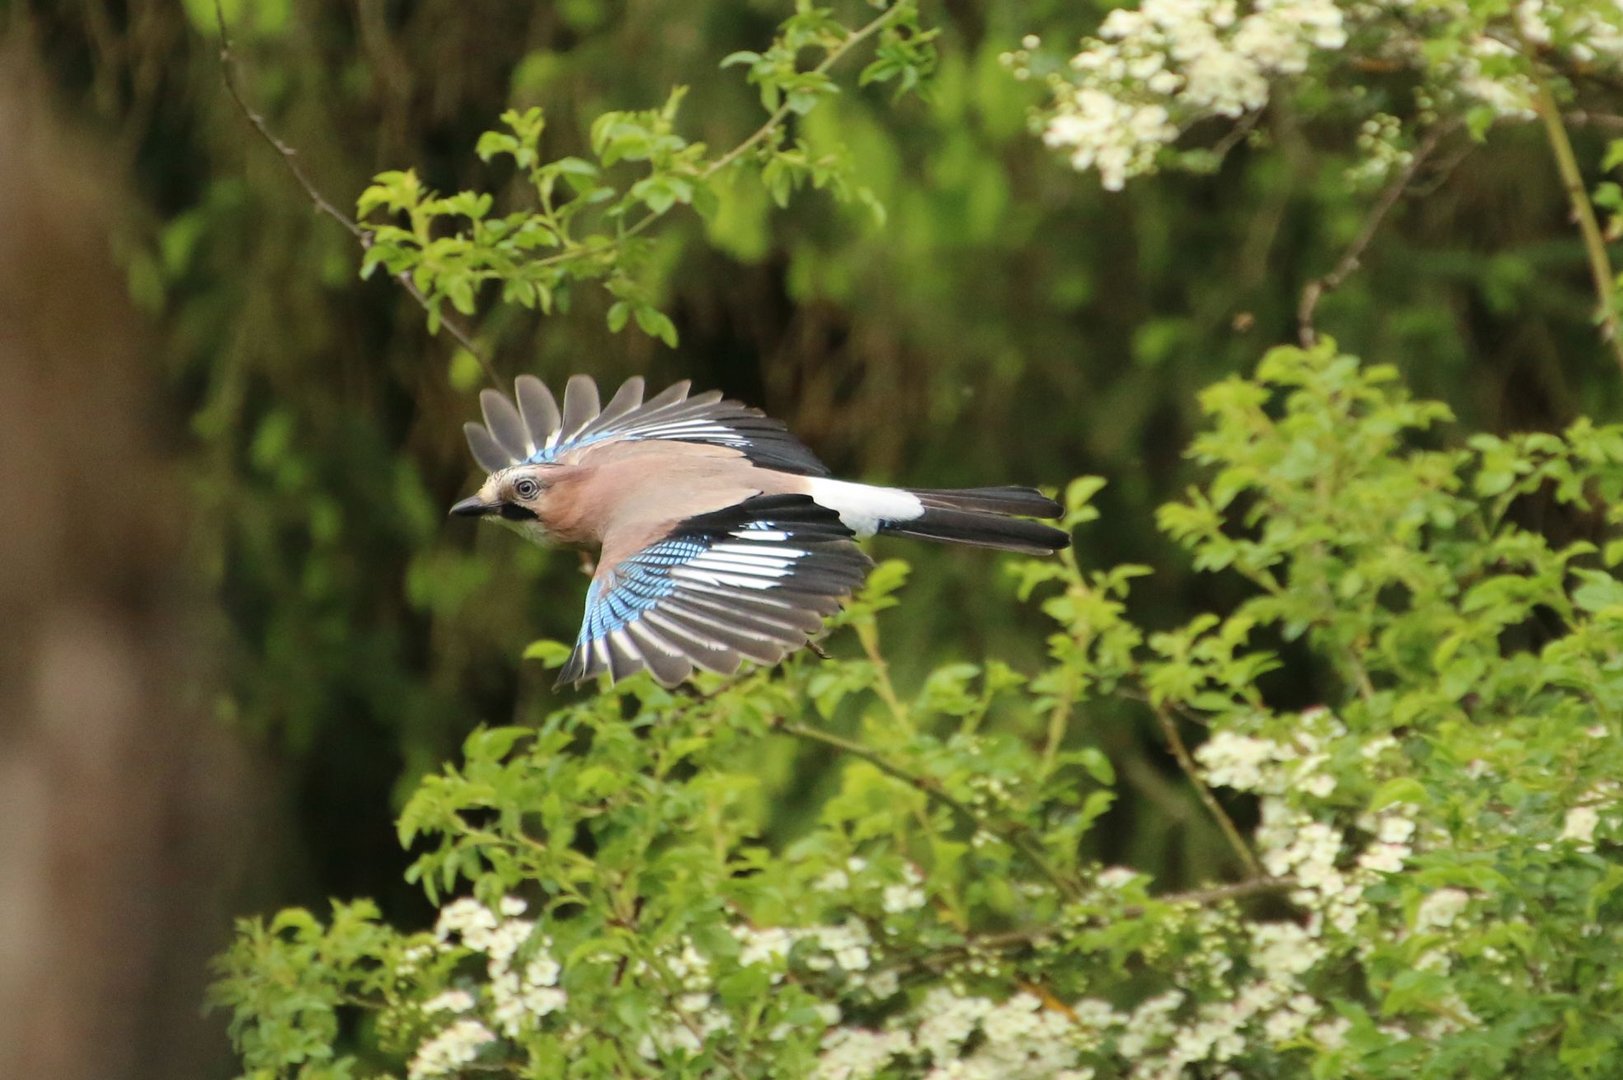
point(536, 430)
point(753, 581)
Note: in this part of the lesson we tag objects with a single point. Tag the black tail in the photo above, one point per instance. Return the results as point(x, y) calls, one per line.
point(980, 516)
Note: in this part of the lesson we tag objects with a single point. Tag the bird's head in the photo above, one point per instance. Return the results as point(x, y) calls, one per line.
point(515, 496)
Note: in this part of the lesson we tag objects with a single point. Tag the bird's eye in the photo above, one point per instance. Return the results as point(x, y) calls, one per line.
point(527, 488)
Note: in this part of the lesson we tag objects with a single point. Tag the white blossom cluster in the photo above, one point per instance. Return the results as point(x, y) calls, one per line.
point(1155, 69)
point(520, 988)
point(450, 1049)
point(1291, 775)
point(693, 1018)
point(899, 897)
point(515, 997)
point(1590, 33)
point(1585, 817)
point(845, 949)
point(1248, 988)
point(1269, 1004)
point(1269, 767)
point(1016, 1039)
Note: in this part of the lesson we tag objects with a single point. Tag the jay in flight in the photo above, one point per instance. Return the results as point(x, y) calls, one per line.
point(722, 537)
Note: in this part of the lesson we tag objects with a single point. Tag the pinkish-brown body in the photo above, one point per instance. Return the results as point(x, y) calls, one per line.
point(620, 497)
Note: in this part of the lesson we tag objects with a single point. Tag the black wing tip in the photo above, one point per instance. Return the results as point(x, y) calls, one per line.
point(573, 671)
point(983, 529)
point(1003, 499)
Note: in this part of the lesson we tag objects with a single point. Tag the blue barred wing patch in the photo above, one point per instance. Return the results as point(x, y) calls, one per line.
point(639, 583)
point(753, 581)
point(536, 431)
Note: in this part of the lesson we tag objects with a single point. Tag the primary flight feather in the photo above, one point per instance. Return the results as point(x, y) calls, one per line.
point(722, 538)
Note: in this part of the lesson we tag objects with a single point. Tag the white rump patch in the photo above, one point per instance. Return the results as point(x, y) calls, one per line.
point(864, 507)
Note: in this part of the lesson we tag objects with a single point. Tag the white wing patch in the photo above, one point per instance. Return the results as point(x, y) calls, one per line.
point(864, 507)
point(746, 566)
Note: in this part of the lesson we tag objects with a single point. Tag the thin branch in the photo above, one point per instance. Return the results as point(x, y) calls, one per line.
point(868, 636)
point(1216, 894)
point(1316, 289)
point(1572, 179)
point(760, 135)
point(290, 160)
point(1235, 135)
point(1015, 837)
point(1586, 118)
point(781, 113)
point(1169, 727)
point(1026, 936)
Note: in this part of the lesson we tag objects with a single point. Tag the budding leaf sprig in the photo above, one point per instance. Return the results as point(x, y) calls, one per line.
point(589, 219)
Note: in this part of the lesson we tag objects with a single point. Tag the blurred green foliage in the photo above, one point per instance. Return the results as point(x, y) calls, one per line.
point(813, 872)
point(1005, 322)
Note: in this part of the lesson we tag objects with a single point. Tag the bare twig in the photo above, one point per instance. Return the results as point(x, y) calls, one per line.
point(1015, 837)
point(1217, 894)
point(1236, 135)
point(1026, 936)
point(1169, 727)
point(1572, 179)
point(290, 160)
point(1317, 288)
point(868, 635)
point(1586, 118)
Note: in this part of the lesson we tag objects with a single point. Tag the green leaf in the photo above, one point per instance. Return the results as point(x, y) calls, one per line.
point(885, 579)
point(1401, 789)
point(492, 143)
point(493, 744)
point(656, 324)
point(466, 373)
point(552, 654)
point(1598, 592)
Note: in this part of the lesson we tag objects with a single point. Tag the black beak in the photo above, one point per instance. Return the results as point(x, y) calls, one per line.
point(473, 506)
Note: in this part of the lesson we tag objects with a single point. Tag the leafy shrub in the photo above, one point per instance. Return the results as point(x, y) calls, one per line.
point(645, 887)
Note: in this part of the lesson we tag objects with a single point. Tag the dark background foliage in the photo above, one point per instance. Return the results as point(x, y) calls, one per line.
point(1009, 322)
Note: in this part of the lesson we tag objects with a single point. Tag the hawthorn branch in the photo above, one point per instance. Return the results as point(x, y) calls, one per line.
point(324, 206)
point(1583, 212)
point(1586, 118)
point(1003, 941)
point(1316, 289)
point(1169, 727)
point(1015, 836)
point(1215, 894)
